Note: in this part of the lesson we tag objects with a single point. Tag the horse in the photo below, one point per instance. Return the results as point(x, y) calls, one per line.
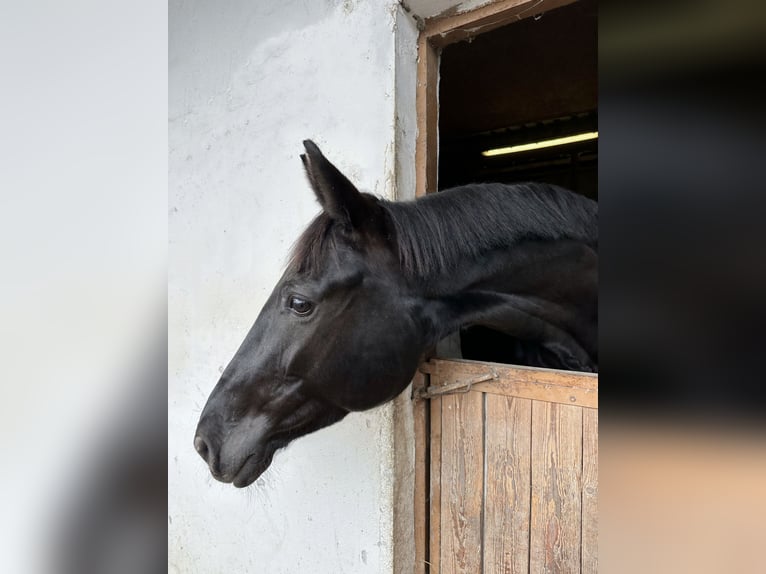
point(371, 286)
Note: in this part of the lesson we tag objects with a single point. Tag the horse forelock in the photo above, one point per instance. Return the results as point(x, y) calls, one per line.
point(309, 250)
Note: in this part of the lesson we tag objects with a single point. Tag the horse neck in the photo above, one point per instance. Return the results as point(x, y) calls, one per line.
point(519, 259)
point(543, 269)
point(540, 291)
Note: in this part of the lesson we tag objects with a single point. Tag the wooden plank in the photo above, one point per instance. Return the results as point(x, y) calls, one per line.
point(548, 376)
point(547, 393)
point(426, 104)
point(435, 496)
point(445, 30)
point(565, 387)
point(556, 488)
point(420, 505)
point(462, 479)
point(590, 491)
point(507, 498)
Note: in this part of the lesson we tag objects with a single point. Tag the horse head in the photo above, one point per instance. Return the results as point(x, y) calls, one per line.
point(340, 332)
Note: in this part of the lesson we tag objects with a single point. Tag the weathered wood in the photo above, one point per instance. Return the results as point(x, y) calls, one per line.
point(556, 508)
point(507, 489)
point(426, 104)
point(565, 387)
point(590, 491)
point(420, 505)
point(442, 31)
point(523, 498)
point(462, 478)
point(435, 496)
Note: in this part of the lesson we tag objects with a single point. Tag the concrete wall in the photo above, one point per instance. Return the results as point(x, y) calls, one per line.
point(435, 8)
point(248, 81)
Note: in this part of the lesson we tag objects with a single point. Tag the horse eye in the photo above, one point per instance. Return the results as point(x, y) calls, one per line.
point(300, 306)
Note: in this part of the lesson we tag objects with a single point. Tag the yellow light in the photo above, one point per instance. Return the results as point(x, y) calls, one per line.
point(542, 144)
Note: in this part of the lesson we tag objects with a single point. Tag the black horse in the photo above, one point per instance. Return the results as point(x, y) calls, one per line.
point(372, 285)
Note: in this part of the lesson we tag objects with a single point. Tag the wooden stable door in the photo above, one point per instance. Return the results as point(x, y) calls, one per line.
point(513, 469)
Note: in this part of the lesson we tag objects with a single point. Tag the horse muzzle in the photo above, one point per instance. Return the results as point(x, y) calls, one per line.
point(238, 454)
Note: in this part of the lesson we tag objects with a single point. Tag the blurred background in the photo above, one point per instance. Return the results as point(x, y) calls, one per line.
point(83, 184)
point(683, 273)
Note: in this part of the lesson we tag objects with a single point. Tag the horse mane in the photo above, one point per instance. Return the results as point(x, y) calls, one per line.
point(432, 233)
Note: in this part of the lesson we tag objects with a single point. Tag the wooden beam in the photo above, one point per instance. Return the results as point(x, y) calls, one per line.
point(427, 105)
point(589, 555)
point(550, 385)
point(441, 32)
point(420, 506)
point(435, 488)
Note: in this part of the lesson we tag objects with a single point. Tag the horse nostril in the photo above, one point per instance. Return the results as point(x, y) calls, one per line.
point(201, 447)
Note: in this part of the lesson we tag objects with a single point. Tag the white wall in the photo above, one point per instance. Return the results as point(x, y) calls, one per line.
point(435, 8)
point(248, 82)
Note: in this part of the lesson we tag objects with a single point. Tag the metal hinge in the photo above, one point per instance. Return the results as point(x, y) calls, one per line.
point(456, 387)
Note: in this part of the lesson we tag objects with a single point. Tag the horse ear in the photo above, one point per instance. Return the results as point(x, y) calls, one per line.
point(336, 194)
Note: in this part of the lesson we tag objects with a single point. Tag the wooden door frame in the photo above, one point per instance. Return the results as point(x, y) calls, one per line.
point(437, 33)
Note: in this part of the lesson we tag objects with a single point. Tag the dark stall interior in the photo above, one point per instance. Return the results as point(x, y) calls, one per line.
point(534, 80)
point(530, 81)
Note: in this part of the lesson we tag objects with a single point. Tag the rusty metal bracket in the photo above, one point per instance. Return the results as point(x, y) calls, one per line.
point(456, 387)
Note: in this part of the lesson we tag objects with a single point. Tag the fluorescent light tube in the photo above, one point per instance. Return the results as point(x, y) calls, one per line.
point(541, 144)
